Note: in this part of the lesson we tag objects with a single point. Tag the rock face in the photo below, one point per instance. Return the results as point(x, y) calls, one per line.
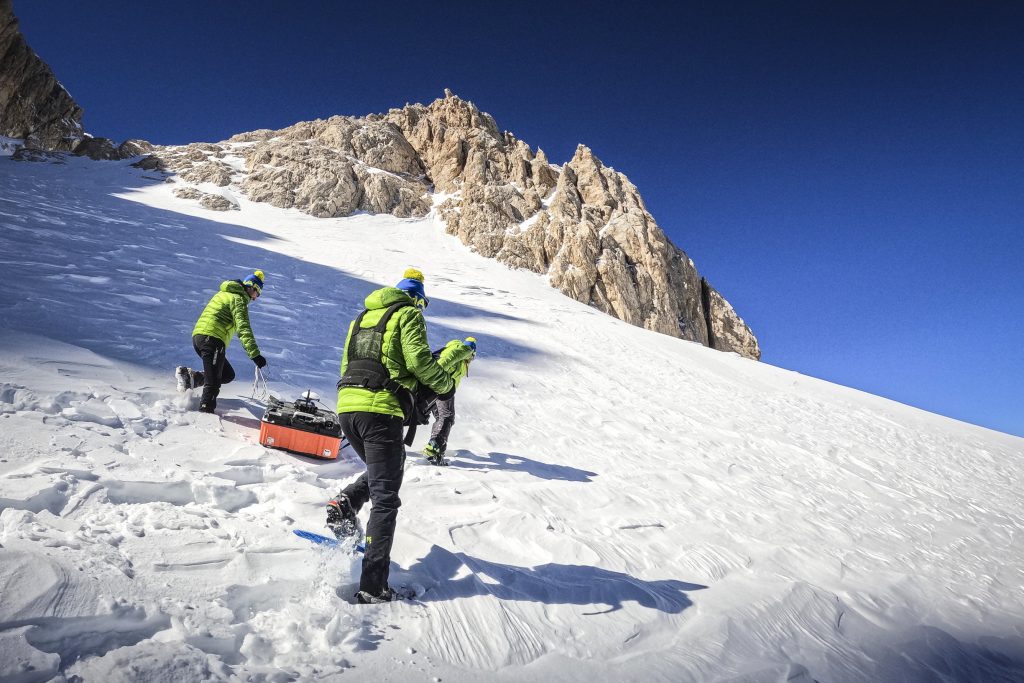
point(335, 167)
point(104, 149)
point(34, 106)
point(213, 202)
point(584, 224)
point(594, 238)
point(36, 110)
point(726, 330)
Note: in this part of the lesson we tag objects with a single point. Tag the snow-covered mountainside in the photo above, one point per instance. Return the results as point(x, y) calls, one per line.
point(622, 505)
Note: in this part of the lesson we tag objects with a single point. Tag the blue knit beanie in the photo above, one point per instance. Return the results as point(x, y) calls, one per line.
point(255, 281)
point(412, 284)
point(413, 288)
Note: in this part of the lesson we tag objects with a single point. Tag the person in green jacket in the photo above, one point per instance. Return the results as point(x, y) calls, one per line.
point(454, 358)
point(226, 315)
point(386, 358)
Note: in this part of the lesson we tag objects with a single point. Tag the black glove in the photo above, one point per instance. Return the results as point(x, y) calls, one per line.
point(260, 361)
point(447, 395)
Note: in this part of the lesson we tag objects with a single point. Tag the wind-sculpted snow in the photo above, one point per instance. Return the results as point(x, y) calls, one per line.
point(621, 505)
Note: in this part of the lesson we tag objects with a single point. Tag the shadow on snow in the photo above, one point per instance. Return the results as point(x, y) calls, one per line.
point(551, 584)
point(468, 460)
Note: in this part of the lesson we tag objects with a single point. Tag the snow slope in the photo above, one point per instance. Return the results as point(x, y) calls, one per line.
point(621, 506)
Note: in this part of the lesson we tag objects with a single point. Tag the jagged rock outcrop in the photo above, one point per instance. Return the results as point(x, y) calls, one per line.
point(34, 106)
point(584, 224)
point(725, 329)
point(32, 154)
point(207, 200)
point(104, 149)
point(595, 239)
point(593, 235)
point(326, 168)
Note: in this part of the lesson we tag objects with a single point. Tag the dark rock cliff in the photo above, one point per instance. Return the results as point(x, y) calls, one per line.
point(34, 106)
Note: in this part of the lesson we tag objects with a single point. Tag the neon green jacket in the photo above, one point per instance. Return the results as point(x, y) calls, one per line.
point(454, 358)
point(228, 312)
point(404, 352)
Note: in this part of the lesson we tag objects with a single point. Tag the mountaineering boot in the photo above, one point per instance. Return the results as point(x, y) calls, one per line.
point(208, 406)
point(183, 376)
point(434, 454)
point(386, 595)
point(187, 378)
point(341, 518)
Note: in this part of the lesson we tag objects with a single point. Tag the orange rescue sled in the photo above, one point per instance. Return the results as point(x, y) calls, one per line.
point(301, 427)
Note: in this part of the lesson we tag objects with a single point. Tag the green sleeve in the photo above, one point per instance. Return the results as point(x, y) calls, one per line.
point(344, 349)
point(240, 312)
point(418, 358)
point(457, 355)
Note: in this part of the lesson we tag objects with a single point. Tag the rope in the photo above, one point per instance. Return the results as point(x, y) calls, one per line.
point(260, 390)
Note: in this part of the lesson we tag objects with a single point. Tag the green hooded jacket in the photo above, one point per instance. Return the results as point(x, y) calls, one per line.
point(454, 358)
point(227, 312)
point(404, 353)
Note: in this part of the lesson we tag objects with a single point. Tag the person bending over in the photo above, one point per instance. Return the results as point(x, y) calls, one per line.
point(226, 315)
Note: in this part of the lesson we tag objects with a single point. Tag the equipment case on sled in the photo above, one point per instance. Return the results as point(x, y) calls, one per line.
point(301, 427)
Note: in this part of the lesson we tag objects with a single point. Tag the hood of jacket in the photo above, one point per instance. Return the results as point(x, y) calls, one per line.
point(234, 287)
point(384, 297)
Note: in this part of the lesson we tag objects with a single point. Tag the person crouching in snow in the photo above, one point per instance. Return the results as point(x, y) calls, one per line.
point(225, 315)
point(454, 358)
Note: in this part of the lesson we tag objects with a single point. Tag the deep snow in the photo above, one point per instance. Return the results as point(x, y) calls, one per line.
point(621, 505)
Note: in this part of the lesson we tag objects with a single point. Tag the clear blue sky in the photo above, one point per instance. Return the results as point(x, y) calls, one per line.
point(849, 175)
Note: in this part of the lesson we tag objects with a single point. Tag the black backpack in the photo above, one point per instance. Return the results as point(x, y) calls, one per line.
point(364, 369)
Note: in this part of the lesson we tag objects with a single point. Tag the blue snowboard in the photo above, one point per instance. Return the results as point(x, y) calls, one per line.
point(325, 541)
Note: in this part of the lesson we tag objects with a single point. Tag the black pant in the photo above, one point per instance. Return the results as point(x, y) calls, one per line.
point(377, 439)
point(216, 368)
point(444, 416)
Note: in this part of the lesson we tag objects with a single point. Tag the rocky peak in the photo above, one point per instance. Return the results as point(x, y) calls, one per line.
point(585, 225)
point(454, 139)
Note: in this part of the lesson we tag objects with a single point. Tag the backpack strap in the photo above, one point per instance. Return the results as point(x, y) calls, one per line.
point(367, 370)
point(379, 328)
